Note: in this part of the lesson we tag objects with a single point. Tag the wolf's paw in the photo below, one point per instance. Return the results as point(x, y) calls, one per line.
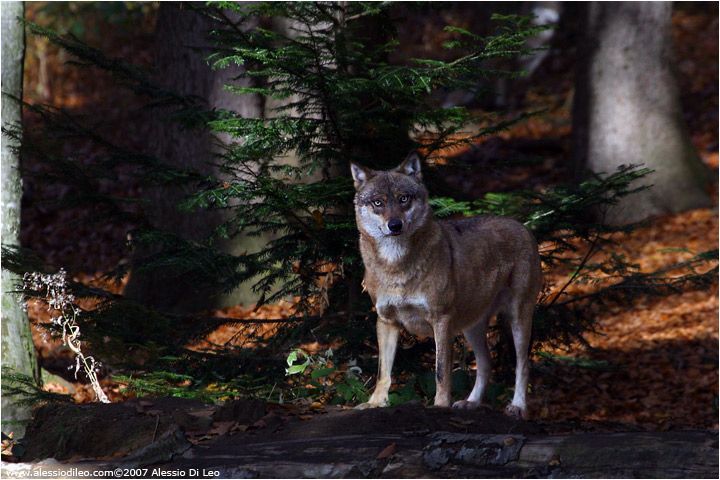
point(466, 405)
point(365, 405)
point(517, 412)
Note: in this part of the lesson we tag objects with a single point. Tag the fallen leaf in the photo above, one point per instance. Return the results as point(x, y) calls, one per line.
point(268, 416)
point(220, 428)
point(316, 407)
point(202, 413)
point(387, 451)
point(305, 417)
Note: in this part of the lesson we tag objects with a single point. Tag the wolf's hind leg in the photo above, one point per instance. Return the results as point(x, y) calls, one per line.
point(520, 316)
point(477, 338)
point(387, 334)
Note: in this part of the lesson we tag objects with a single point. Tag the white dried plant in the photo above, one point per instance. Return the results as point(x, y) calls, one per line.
point(59, 299)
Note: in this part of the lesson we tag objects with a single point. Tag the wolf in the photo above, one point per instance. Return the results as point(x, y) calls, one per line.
point(443, 277)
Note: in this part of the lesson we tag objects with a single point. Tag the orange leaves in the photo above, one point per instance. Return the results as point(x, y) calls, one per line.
point(238, 334)
point(387, 451)
point(666, 347)
point(668, 375)
point(710, 159)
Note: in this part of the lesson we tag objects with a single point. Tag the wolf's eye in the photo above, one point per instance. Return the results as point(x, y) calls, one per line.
point(377, 203)
point(404, 198)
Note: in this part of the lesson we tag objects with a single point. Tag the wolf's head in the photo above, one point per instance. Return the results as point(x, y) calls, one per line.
point(390, 203)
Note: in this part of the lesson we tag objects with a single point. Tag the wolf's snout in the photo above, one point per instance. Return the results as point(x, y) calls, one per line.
point(395, 226)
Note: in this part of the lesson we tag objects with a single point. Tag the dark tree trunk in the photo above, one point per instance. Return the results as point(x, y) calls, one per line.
point(184, 70)
point(627, 107)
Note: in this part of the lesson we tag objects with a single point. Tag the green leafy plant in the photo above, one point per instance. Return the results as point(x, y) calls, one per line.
point(553, 359)
point(323, 380)
point(23, 390)
point(167, 384)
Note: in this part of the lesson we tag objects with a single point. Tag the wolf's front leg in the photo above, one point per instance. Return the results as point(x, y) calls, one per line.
point(387, 334)
point(443, 363)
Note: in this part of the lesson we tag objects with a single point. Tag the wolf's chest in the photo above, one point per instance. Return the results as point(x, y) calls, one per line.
point(412, 311)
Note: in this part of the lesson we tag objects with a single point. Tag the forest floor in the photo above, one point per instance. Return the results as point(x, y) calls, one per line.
point(661, 353)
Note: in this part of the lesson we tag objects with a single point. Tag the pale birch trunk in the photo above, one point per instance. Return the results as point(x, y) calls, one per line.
point(18, 352)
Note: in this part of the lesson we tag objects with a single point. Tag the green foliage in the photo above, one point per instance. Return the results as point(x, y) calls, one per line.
point(167, 384)
point(406, 393)
point(576, 362)
point(421, 388)
point(24, 391)
point(323, 381)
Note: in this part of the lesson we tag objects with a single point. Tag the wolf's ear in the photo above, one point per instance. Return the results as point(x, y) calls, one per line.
point(411, 166)
point(360, 174)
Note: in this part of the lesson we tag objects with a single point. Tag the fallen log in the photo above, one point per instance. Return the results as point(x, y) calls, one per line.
point(679, 454)
point(152, 438)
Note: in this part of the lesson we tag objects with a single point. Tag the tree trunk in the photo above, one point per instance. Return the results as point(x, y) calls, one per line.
point(627, 108)
point(186, 71)
point(18, 352)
